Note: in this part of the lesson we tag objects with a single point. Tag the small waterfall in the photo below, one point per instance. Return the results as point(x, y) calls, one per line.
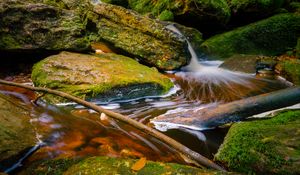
point(208, 83)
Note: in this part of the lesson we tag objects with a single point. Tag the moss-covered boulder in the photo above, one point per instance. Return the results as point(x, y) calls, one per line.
point(26, 26)
point(289, 69)
point(270, 146)
point(17, 135)
point(144, 38)
point(192, 12)
point(254, 9)
point(104, 77)
point(107, 166)
point(272, 36)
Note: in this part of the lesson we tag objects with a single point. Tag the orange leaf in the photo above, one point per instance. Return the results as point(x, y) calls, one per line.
point(139, 164)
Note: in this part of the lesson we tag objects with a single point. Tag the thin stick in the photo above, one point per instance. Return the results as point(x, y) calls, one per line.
point(173, 143)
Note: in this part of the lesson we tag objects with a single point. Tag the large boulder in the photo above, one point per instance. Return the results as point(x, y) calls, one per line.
point(108, 166)
point(17, 135)
point(270, 146)
point(195, 13)
point(147, 39)
point(104, 77)
point(26, 26)
point(272, 36)
point(57, 25)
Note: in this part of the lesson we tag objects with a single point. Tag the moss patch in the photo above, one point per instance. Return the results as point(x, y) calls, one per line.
point(107, 166)
point(270, 146)
point(105, 77)
point(290, 69)
point(272, 36)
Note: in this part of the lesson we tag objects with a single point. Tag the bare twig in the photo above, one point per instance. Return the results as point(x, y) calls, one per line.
point(194, 156)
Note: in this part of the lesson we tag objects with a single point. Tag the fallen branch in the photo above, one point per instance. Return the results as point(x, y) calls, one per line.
point(234, 111)
point(194, 156)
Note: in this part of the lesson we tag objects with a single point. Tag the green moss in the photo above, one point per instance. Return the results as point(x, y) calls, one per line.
point(290, 69)
point(298, 49)
point(8, 41)
point(272, 36)
point(105, 77)
point(106, 166)
point(265, 147)
point(166, 15)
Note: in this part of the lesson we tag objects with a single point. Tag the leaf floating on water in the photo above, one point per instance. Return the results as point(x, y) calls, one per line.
point(139, 164)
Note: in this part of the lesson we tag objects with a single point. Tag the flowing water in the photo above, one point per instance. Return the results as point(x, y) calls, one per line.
point(71, 131)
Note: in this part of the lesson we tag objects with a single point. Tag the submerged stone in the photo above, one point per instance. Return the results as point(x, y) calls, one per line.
point(27, 26)
point(17, 135)
point(103, 77)
point(107, 166)
point(272, 36)
point(270, 146)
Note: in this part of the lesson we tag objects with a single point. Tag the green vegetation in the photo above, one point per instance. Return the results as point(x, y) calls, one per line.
point(107, 166)
point(268, 146)
point(105, 77)
point(272, 36)
point(290, 69)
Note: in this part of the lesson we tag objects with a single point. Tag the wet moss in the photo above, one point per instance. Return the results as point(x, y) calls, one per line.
point(268, 146)
point(106, 165)
point(166, 15)
point(105, 77)
point(290, 69)
point(272, 36)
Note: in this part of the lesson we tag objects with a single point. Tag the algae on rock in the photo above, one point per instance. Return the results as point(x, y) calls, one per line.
point(269, 146)
point(107, 166)
point(104, 77)
point(272, 36)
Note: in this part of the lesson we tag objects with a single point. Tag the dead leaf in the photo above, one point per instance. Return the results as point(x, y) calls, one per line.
point(139, 164)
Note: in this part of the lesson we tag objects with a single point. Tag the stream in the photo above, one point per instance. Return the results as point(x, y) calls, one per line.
point(69, 130)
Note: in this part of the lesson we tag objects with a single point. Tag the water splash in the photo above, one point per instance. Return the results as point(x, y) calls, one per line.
point(207, 82)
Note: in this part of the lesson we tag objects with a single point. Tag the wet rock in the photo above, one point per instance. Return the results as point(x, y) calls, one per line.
point(272, 36)
point(16, 133)
point(106, 166)
point(105, 77)
point(289, 69)
point(197, 12)
point(27, 26)
point(142, 37)
point(241, 63)
point(268, 146)
point(249, 10)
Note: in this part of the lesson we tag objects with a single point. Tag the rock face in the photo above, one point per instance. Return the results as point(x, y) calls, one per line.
point(16, 133)
point(142, 37)
point(34, 26)
point(38, 25)
point(270, 146)
point(192, 12)
point(105, 77)
point(272, 36)
point(107, 166)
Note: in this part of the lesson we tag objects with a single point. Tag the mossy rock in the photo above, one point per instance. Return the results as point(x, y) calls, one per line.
point(255, 9)
point(104, 77)
point(29, 26)
point(107, 166)
point(270, 146)
point(17, 135)
point(272, 36)
point(192, 11)
point(289, 69)
point(140, 36)
point(241, 63)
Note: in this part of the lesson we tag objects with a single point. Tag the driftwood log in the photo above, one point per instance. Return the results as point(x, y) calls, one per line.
point(234, 111)
point(190, 155)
